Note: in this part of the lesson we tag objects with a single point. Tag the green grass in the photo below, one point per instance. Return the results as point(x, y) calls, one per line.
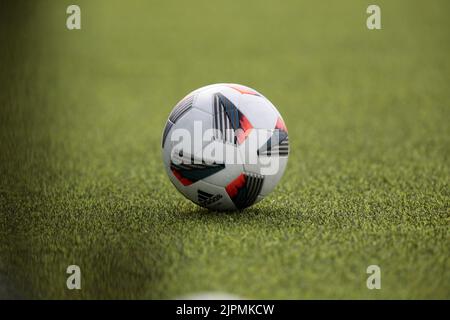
point(82, 180)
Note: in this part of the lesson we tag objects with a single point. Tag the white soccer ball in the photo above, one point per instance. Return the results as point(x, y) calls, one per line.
point(225, 146)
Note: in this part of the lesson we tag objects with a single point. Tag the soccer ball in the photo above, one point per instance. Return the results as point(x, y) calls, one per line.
point(225, 146)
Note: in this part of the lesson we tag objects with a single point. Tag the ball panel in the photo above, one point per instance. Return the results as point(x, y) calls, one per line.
point(245, 189)
point(181, 108)
point(166, 131)
point(181, 174)
point(203, 193)
point(271, 180)
point(212, 197)
point(203, 99)
point(232, 160)
point(258, 111)
point(186, 124)
point(261, 150)
point(204, 96)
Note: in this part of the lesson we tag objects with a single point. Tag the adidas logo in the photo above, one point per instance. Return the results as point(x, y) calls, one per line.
point(205, 198)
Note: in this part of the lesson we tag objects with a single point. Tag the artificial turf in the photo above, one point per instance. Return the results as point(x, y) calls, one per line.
point(82, 180)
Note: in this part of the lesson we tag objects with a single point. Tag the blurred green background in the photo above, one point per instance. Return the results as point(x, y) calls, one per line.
point(82, 180)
